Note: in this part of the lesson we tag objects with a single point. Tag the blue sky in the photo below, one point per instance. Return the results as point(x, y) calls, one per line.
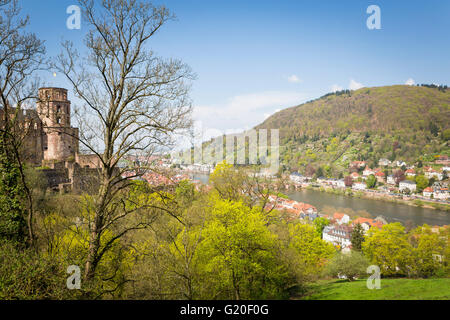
point(253, 58)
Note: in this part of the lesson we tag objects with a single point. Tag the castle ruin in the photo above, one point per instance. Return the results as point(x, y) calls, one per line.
point(52, 144)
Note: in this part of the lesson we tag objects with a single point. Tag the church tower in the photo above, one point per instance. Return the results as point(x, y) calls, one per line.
point(60, 141)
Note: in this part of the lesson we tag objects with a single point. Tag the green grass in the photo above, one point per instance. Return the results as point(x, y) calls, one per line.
point(391, 289)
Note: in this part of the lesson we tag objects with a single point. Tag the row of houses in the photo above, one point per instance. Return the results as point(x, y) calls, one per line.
point(383, 162)
point(339, 232)
point(296, 209)
point(440, 193)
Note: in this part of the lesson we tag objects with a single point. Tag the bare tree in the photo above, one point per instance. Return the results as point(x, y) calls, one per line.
point(21, 55)
point(133, 101)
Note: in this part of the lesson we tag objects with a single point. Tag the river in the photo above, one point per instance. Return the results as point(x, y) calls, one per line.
point(392, 212)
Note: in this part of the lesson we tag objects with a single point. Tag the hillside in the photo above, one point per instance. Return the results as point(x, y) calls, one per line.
point(410, 123)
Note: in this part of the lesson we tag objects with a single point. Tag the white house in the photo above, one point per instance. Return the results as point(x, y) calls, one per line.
point(427, 192)
point(321, 180)
point(434, 174)
point(390, 180)
point(407, 185)
point(441, 194)
point(338, 235)
point(359, 186)
point(367, 172)
point(410, 173)
point(446, 168)
point(384, 162)
point(296, 177)
point(341, 218)
point(340, 183)
point(400, 163)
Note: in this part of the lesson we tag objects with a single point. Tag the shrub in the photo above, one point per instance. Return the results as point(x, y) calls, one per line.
point(349, 265)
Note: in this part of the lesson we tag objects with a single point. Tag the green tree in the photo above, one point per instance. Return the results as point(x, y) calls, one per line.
point(350, 265)
point(371, 181)
point(319, 173)
point(21, 56)
point(320, 223)
point(238, 254)
point(312, 253)
point(422, 182)
point(26, 275)
point(357, 237)
point(389, 249)
point(446, 135)
point(429, 251)
point(12, 198)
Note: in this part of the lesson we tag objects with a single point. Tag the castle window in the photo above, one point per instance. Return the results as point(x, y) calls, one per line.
point(58, 109)
point(58, 120)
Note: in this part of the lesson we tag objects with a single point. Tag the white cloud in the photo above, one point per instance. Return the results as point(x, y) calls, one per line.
point(410, 82)
point(353, 85)
point(336, 87)
point(245, 111)
point(294, 79)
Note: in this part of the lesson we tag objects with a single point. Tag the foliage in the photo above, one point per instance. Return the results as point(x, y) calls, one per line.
point(351, 265)
point(371, 181)
point(12, 199)
point(422, 182)
point(366, 125)
point(24, 274)
point(357, 237)
point(429, 251)
point(239, 254)
point(389, 249)
point(312, 252)
point(320, 223)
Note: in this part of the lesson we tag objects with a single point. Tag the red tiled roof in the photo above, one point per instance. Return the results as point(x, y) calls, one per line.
point(371, 222)
point(338, 215)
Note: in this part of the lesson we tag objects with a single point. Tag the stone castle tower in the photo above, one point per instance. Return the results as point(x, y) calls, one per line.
point(60, 140)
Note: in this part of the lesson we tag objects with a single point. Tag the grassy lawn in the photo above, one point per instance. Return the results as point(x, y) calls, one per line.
point(391, 289)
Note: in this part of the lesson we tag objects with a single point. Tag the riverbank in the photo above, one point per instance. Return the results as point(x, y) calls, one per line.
point(387, 198)
point(395, 210)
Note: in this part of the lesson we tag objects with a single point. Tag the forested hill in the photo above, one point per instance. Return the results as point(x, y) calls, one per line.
point(396, 122)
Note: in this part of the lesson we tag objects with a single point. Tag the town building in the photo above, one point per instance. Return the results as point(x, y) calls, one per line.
point(384, 162)
point(358, 164)
point(380, 176)
point(441, 194)
point(390, 180)
point(400, 163)
point(359, 186)
point(338, 235)
point(407, 185)
point(354, 175)
point(341, 218)
point(431, 173)
point(297, 177)
point(367, 172)
point(367, 223)
point(428, 192)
